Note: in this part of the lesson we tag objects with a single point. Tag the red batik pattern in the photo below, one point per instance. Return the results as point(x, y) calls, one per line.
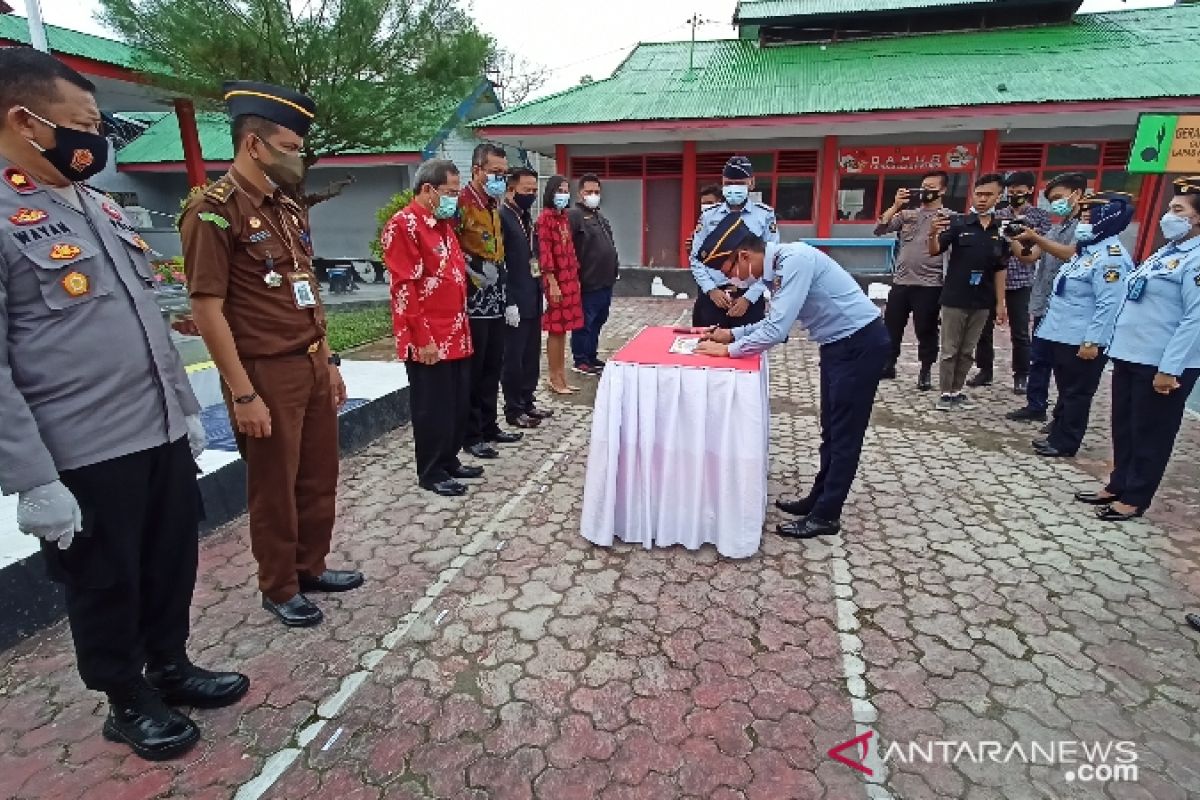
point(556, 256)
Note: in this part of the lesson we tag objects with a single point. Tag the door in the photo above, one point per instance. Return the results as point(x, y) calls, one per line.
point(661, 243)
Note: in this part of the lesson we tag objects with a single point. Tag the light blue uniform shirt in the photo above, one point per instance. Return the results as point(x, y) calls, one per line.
point(1162, 328)
point(812, 289)
point(1086, 295)
point(759, 219)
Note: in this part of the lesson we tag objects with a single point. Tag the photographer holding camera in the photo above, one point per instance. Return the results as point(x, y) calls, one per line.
point(1022, 208)
point(917, 281)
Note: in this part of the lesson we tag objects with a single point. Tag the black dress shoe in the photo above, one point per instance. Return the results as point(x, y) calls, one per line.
point(980, 378)
point(138, 717)
point(182, 683)
point(889, 371)
point(808, 528)
point(1038, 444)
point(523, 421)
point(925, 380)
point(539, 413)
point(1026, 414)
point(483, 450)
point(1050, 451)
point(1110, 514)
point(1049, 426)
point(462, 471)
point(299, 612)
point(332, 580)
point(797, 508)
point(446, 488)
point(1193, 620)
point(1020, 384)
point(1095, 498)
point(505, 437)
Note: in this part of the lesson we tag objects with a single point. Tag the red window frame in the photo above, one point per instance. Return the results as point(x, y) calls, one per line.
point(785, 164)
point(1033, 157)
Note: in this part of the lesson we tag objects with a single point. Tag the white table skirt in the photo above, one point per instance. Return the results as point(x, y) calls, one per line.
point(678, 456)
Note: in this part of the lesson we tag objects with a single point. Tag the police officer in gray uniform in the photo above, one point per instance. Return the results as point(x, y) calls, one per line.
point(99, 428)
point(724, 301)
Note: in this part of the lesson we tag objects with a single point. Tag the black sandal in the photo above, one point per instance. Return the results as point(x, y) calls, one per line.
point(1110, 514)
point(1095, 498)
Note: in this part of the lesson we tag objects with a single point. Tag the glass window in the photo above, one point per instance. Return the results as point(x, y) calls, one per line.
point(891, 183)
point(1121, 181)
point(958, 195)
point(1073, 154)
point(765, 188)
point(857, 197)
point(795, 199)
point(762, 162)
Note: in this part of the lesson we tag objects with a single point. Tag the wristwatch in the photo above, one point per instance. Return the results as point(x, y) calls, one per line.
point(335, 359)
point(246, 398)
point(1089, 345)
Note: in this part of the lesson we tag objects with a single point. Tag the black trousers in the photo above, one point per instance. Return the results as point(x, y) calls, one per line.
point(522, 365)
point(440, 397)
point(1041, 368)
point(487, 335)
point(924, 303)
point(705, 313)
point(129, 575)
point(1077, 382)
point(850, 371)
point(1017, 301)
point(1144, 426)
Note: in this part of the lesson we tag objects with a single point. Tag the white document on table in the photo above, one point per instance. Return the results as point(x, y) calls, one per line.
point(685, 345)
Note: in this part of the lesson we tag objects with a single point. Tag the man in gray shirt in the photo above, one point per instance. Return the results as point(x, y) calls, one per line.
point(99, 428)
point(917, 282)
point(1056, 247)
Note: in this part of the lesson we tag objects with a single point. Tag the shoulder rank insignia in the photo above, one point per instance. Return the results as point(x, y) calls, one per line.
point(220, 190)
point(1115, 250)
point(76, 284)
point(140, 242)
point(215, 219)
point(1172, 265)
point(1112, 276)
point(774, 227)
point(28, 216)
point(112, 211)
point(1198, 278)
point(18, 181)
point(64, 252)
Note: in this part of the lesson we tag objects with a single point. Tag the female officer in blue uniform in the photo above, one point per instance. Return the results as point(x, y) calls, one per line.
point(1083, 309)
point(1156, 356)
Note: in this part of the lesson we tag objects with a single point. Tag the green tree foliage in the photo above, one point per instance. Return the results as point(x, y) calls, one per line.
point(379, 70)
point(398, 201)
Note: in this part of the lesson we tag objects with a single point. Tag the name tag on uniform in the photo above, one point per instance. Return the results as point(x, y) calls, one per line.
point(302, 290)
point(976, 278)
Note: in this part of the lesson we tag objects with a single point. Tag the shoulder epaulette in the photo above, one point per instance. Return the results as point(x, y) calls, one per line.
point(221, 189)
point(766, 207)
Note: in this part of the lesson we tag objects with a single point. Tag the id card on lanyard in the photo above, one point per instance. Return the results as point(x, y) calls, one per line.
point(302, 290)
point(1139, 277)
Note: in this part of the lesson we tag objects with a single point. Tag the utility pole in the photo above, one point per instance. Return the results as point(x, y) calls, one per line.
point(695, 20)
point(37, 31)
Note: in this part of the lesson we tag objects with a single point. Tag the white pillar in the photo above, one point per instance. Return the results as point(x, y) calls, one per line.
point(37, 31)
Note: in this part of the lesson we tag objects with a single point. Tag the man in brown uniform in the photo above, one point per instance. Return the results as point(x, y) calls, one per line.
point(248, 257)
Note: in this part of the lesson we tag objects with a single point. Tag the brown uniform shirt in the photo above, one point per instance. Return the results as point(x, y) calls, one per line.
point(234, 237)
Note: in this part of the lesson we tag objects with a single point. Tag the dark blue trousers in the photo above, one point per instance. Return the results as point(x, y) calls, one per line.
point(850, 370)
point(1041, 367)
point(585, 342)
point(1144, 426)
point(1077, 382)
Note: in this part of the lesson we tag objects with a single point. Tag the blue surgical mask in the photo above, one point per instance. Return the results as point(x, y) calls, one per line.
point(1083, 230)
point(446, 208)
point(496, 186)
point(562, 200)
point(736, 194)
point(1061, 207)
point(1174, 227)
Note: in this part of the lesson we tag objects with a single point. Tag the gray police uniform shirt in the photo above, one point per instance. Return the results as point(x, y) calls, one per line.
point(1048, 267)
point(812, 289)
point(88, 372)
point(1087, 294)
point(759, 218)
point(1161, 327)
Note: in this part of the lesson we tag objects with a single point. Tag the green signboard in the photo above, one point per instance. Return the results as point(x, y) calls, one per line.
point(1166, 143)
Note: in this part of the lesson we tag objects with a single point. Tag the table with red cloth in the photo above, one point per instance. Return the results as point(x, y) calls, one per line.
point(679, 449)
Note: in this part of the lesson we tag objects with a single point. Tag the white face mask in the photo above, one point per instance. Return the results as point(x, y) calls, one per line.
point(591, 201)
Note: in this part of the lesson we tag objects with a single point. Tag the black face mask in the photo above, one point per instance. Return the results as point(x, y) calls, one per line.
point(927, 195)
point(78, 155)
point(1018, 200)
point(524, 201)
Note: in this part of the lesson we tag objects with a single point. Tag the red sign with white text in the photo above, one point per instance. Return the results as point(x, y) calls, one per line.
point(908, 159)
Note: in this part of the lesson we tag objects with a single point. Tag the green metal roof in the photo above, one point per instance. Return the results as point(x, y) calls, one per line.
point(1141, 54)
point(73, 43)
point(754, 12)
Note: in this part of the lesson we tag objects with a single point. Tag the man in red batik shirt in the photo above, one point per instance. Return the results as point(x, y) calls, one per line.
point(433, 335)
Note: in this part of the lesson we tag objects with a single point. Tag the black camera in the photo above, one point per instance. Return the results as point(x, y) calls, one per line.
point(923, 195)
point(1016, 226)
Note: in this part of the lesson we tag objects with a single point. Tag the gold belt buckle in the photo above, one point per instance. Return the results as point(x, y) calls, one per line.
point(314, 347)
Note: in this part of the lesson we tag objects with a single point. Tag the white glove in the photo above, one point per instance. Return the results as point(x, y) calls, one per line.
point(512, 315)
point(50, 512)
point(197, 438)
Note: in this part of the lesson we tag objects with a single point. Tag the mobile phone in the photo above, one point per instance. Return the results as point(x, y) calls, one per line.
point(681, 329)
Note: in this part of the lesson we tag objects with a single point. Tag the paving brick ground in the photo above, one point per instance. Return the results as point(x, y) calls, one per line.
point(497, 654)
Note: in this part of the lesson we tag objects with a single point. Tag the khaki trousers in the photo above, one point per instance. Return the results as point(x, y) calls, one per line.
point(961, 328)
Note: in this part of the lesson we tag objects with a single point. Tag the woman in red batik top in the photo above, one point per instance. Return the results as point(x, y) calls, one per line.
point(560, 271)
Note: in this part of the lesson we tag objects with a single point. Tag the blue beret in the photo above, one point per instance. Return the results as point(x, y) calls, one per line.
point(285, 107)
point(723, 240)
point(738, 168)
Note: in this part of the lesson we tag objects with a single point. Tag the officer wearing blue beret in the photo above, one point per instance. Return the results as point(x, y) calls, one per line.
point(814, 290)
point(1083, 310)
point(724, 301)
point(1156, 360)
